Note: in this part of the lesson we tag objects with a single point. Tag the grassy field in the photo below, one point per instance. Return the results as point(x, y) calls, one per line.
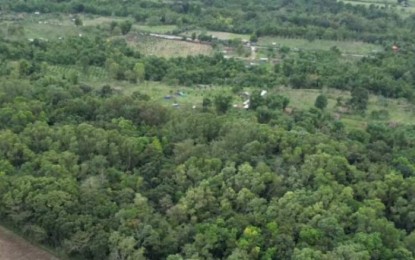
point(219, 35)
point(167, 48)
point(91, 74)
point(400, 111)
point(154, 29)
point(404, 11)
point(352, 47)
point(191, 96)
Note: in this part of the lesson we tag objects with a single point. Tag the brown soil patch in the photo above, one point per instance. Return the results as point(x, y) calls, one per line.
point(13, 247)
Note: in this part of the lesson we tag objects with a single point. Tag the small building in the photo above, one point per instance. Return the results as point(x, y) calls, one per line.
point(244, 95)
point(263, 60)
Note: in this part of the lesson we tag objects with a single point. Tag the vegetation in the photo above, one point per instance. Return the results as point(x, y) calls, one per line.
point(111, 151)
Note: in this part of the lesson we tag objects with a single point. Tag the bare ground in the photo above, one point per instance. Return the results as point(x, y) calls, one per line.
point(13, 247)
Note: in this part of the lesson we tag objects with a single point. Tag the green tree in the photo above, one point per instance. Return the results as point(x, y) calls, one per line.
point(321, 102)
point(360, 99)
point(206, 103)
point(126, 27)
point(139, 70)
point(222, 103)
point(78, 22)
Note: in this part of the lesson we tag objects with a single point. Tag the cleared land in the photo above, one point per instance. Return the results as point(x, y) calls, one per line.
point(219, 35)
point(155, 28)
point(168, 48)
point(351, 47)
point(400, 111)
point(402, 10)
point(13, 247)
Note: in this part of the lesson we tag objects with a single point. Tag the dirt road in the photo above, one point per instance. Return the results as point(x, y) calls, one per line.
point(13, 247)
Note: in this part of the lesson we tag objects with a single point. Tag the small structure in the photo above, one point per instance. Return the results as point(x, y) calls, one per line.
point(180, 94)
point(167, 97)
point(263, 93)
point(37, 13)
point(263, 60)
point(395, 48)
point(245, 95)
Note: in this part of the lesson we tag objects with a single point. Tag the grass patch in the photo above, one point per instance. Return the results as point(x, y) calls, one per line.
point(50, 31)
point(392, 4)
point(351, 47)
point(219, 35)
point(168, 48)
point(155, 28)
point(400, 111)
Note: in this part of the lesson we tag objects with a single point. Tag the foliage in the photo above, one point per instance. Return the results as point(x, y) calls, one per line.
point(321, 102)
point(100, 174)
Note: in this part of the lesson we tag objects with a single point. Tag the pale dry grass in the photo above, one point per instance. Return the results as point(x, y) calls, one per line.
point(168, 48)
point(13, 247)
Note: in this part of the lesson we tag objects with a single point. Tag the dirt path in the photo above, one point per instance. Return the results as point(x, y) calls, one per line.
point(13, 247)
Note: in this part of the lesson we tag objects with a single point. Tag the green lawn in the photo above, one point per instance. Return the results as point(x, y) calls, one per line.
point(351, 47)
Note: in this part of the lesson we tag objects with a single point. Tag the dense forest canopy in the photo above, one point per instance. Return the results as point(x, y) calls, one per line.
point(94, 171)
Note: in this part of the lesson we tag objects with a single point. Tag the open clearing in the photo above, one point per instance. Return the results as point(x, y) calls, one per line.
point(403, 11)
point(219, 35)
point(155, 28)
point(400, 111)
point(13, 247)
point(348, 47)
point(167, 48)
point(60, 26)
